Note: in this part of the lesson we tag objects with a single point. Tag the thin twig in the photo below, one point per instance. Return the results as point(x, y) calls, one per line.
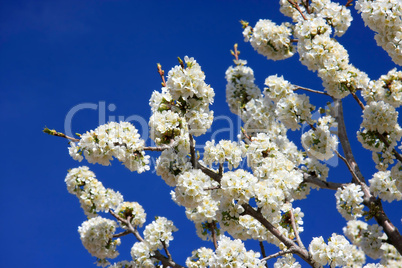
point(122, 234)
point(59, 134)
point(357, 99)
point(294, 227)
point(158, 149)
point(310, 90)
point(349, 3)
point(280, 253)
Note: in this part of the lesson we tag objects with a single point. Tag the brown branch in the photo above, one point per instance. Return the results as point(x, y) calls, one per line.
point(295, 5)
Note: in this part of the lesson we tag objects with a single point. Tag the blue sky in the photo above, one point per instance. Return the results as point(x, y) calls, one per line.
point(55, 55)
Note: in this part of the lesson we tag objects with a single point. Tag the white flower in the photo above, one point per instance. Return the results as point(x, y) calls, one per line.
point(159, 233)
point(97, 237)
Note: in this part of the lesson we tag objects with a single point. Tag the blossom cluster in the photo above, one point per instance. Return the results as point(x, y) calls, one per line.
point(338, 252)
point(337, 16)
point(384, 186)
point(349, 201)
point(271, 40)
point(119, 140)
point(224, 151)
point(387, 88)
point(240, 88)
point(385, 18)
point(368, 237)
point(97, 237)
point(93, 196)
point(183, 104)
point(229, 253)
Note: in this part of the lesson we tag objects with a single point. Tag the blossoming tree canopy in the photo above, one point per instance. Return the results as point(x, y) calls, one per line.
point(229, 202)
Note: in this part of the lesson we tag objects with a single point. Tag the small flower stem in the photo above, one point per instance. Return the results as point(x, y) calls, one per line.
point(162, 74)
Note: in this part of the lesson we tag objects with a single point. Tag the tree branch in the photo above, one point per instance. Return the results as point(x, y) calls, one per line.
point(392, 232)
point(337, 113)
point(301, 252)
point(322, 184)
